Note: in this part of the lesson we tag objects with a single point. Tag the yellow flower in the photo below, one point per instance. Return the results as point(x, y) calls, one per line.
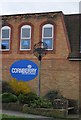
point(19, 86)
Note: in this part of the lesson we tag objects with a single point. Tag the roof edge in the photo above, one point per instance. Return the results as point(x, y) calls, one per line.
point(39, 13)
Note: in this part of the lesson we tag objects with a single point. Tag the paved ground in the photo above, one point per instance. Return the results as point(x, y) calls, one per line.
point(20, 114)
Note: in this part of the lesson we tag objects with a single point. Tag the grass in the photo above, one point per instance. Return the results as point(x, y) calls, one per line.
point(10, 117)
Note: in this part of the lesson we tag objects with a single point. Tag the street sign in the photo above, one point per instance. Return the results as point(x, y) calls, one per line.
point(24, 70)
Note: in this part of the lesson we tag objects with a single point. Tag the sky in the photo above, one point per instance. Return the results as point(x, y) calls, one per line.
point(9, 7)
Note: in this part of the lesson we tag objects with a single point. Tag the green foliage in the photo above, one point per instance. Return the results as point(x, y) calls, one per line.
point(22, 99)
point(51, 95)
point(27, 98)
point(40, 103)
point(34, 101)
point(6, 87)
point(8, 97)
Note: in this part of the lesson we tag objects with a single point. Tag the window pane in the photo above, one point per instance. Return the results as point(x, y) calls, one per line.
point(25, 44)
point(5, 33)
point(25, 32)
point(5, 44)
point(47, 32)
point(48, 42)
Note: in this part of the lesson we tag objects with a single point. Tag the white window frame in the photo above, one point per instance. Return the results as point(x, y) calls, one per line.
point(21, 38)
point(52, 37)
point(4, 28)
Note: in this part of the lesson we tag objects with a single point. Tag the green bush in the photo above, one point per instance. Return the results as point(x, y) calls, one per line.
point(22, 99)
point(27, 98)
point(34, 101)
point(6, 87)
point(8, 97)
point(40, 103)
point(51, 95)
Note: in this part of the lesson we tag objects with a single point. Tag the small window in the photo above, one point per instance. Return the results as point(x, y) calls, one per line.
point(47, 35)
point(25, 41)
point(5, 38)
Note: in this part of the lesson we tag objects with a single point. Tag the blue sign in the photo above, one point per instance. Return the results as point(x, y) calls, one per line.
point(24, 70)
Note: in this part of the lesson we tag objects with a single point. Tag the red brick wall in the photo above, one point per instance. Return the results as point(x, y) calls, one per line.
point(57, 71)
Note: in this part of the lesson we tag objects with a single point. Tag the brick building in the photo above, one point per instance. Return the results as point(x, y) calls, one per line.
point(60, 67)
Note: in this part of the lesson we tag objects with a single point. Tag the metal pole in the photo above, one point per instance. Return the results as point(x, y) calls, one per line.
point(39, 78)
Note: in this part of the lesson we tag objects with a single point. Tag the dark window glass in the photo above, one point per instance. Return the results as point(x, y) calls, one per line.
point(5, 44)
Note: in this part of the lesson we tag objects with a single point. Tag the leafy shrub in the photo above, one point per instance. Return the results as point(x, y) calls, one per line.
point(27, 98)
point(51, 95)
point(40, 103)
point(22, 99)
point(32, 96)
point(34, 101)
point(8, 97)
point(19, 86)
point(6, 87)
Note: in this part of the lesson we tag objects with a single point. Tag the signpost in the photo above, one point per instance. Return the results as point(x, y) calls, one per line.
point(40, 50)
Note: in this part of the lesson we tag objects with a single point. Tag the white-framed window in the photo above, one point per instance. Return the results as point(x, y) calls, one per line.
point(25, 37)
point(5, 38)
point(47, 35)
